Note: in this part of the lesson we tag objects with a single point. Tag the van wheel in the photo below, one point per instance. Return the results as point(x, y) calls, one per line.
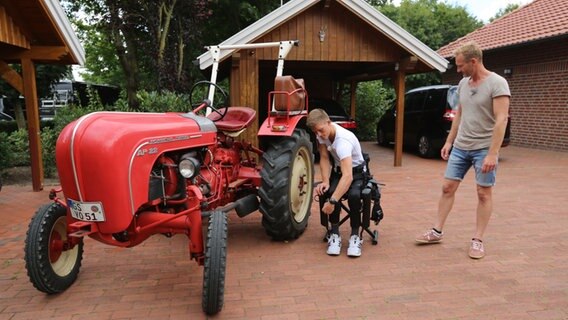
point(425, 148)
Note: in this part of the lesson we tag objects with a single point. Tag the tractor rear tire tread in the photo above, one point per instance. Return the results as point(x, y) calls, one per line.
point(278, 220)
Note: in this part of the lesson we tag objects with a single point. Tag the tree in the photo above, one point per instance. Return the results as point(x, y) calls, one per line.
point(503, 11)
point(434, 23)
point(141, 44)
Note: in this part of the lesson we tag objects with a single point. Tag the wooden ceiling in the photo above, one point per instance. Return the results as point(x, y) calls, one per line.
point(30, 29)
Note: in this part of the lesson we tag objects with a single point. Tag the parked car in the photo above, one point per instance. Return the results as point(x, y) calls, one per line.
point(4, 116)
point(336, 113)
point(428, 115)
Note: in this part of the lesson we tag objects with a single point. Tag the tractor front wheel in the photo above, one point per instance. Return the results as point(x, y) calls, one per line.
point(215, 263)
point(287, 186)
point(52, 265)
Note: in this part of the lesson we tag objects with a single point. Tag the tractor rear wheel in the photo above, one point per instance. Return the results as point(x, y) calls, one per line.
point(287, 186)
point(52, 267)
point(215, 263)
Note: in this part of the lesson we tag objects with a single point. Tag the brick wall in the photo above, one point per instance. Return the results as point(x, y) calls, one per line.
point(539, 92)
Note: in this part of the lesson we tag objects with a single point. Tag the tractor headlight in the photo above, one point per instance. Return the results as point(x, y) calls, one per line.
point(188, 167)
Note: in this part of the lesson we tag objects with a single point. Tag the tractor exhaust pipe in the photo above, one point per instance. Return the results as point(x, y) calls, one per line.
point(243, 206)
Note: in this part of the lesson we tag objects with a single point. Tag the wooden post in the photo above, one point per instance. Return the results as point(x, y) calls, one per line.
point(32, 111)
point(399, 125)
point(353, 98)
point(234, 80)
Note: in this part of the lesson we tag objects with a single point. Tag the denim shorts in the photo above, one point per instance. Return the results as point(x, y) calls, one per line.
point(461, 160)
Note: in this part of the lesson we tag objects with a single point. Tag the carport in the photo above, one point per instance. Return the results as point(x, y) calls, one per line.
point(34, 31)
point(341, 43)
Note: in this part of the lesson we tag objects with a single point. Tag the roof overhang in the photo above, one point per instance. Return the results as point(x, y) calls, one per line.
point(39, 30)
point(71, 41)
point(360, 8)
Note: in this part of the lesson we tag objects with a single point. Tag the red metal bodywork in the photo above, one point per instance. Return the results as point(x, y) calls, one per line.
point(108, 156)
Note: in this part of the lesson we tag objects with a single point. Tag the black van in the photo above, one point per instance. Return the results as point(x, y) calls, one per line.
point(428, 115)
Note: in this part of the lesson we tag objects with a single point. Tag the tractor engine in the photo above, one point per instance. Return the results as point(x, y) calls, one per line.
point(211, 170)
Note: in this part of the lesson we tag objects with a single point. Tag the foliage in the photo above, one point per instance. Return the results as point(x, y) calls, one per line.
point(378, 3)
point(48, 141)
point(19, 147)
point(434, 23)
point(8, 126)
point(137, 45)
point(509, 8)
point(165, 101)
point(6, 155)
point(373, 99)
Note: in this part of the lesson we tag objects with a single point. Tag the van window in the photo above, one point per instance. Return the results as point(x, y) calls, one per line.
point(414, 101)
point(435, 100)
point(453, 99)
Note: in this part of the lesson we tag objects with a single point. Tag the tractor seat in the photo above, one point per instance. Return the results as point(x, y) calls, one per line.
point(236, 118)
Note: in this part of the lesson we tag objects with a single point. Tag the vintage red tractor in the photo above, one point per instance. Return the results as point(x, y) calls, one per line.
point(127, 176)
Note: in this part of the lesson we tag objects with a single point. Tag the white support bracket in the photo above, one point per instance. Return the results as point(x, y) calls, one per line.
point(215, 51)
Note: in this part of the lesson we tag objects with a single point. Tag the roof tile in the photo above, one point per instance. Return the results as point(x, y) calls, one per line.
point(537, 20)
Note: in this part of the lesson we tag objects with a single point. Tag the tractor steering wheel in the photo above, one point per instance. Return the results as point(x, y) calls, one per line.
point(196, 107)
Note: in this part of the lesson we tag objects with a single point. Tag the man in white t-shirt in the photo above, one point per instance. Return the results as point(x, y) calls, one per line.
point(475, 138)
point(342, 168)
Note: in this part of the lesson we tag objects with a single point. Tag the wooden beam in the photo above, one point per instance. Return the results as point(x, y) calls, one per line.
point(410, 63)
point(32, 111)
point(399, 86)
point(12, 77)
point(353, 99)
point(43, 53)
point(234, 80)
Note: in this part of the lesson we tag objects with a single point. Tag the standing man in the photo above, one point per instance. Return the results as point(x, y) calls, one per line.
point(345, 173)
point(476, 134)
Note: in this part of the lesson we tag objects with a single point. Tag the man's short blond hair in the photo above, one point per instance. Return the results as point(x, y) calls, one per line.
point(315, 117)
point(469, 51)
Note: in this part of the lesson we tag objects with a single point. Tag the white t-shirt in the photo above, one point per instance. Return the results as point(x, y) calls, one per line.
point(344, 145)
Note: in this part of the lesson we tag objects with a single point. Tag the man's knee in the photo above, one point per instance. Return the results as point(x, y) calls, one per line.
point(449, 187)
point(484, 193)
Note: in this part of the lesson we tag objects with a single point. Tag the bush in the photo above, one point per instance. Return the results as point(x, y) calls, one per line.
point(373, 99)
point(48, 140)
point(6, 155)
point(19, 148)
point(8, 126)
point(163, 102)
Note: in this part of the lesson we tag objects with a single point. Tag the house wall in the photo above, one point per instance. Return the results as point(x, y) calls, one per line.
point(539, 92)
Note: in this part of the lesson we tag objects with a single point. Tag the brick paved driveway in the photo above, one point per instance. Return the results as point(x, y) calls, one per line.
point(523, 276)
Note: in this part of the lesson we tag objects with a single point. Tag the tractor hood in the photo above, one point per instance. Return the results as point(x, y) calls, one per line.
point(107, 157)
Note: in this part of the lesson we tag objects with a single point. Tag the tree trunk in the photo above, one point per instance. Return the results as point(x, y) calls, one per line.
point(125, 49)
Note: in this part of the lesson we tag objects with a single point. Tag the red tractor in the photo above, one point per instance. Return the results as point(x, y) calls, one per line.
point(127, 176)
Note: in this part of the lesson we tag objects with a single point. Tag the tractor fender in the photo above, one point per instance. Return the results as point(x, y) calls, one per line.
point(281, 125)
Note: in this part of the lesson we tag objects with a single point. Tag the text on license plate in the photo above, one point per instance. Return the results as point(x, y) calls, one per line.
point(86, 211)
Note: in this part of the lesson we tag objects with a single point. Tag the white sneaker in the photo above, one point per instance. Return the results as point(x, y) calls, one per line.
point(334, 245)
point(355, 244)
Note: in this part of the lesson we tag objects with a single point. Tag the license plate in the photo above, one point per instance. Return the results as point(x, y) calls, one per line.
point(86, 211)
